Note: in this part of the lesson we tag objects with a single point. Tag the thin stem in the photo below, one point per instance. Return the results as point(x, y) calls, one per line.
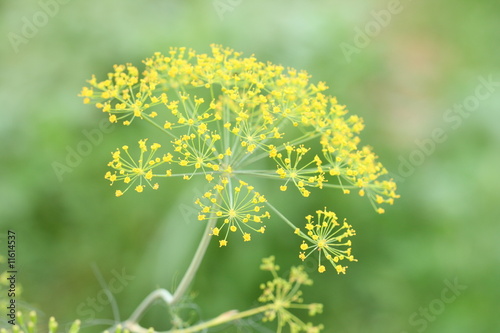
point(163, 294)
point(109, 294)
point(166, 296)
point(341, 186)
point(223, 318)
point(160, 128)
point(198, 257)
point(263, 175)
point(219, 320)
point(256, 172)
point(183, 174)
point(283, 217)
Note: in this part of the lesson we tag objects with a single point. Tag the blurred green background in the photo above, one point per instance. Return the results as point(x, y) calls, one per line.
point(404, 78)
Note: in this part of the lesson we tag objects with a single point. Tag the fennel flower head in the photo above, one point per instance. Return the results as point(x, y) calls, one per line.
point(224, 115)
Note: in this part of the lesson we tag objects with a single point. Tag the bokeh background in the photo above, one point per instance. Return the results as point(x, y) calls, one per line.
point(405, 78)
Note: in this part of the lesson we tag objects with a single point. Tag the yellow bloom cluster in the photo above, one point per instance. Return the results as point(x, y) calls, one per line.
point(284, 295)
point(239, 207)
point(129, 171)
point(123, 95)
point(327, 237)
point(223, 114)
point(302, 176)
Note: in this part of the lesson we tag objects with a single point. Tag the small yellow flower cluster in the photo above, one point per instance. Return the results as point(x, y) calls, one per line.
point(123, 95)
point(302, 176)
point(129, 171)
point(199, 151)
point(327, 237)
point(239, 207)
point(285, 294)
point(223, 114)
point(360, 169)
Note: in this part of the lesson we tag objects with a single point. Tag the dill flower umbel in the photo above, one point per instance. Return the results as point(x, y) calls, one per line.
point(284, 295)
point(243, 212)
point(129, 171)
point(223, 114)
point(327, 237)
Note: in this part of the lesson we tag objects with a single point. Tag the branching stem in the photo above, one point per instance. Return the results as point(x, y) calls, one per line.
point(133, 322)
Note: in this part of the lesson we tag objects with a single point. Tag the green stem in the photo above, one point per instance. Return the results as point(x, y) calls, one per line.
point(283, 217)
point(219, 320)
point(222, 319)
point(160, 127)
point(158, 293)
point(195, 263)
point(132, 322)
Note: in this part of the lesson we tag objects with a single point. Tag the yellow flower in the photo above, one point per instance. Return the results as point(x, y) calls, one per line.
point(246, 118)
point(289, 168)
point(328, 238)
point(224, 115)
point(237, 206)
point(130, 171)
